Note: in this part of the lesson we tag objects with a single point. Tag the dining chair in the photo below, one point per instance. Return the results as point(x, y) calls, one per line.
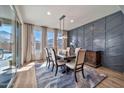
point(78, 64)
point(48, 57)
point(56, 63)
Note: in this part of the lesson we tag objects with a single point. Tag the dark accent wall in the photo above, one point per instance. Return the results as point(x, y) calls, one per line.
point(106, 35)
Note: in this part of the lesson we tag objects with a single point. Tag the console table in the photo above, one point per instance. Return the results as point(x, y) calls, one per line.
point(93, 58)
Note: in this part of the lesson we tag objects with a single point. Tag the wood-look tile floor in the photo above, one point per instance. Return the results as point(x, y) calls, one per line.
point(26, 78)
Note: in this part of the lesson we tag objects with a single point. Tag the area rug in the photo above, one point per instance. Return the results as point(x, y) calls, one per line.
point(47, 79)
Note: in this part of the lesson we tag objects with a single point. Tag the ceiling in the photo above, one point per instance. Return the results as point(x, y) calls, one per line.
point(81, 14)
point(6, 12)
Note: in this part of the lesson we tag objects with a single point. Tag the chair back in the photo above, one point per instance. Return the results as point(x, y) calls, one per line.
point(68, 51)
point(46, 51)
point(53, 55)
point(80, 57)
point(76, 51)
point(49, 52)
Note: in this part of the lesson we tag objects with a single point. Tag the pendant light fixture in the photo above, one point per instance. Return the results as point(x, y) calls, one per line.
point(61, 19)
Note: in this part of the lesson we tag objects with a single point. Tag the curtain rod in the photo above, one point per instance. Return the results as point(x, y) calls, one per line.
point(44, 26)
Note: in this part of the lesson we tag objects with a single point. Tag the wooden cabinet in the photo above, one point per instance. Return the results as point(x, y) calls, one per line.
point(93, 58)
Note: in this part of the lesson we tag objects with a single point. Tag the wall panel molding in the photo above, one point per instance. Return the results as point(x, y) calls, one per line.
point(106, 35)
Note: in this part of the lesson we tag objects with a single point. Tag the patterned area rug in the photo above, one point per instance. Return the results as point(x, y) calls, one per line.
point(47, 79)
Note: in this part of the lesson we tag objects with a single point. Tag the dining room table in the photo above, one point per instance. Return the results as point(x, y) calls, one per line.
point(66, 58)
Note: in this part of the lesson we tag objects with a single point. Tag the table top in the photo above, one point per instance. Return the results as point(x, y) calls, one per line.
point(66, 57)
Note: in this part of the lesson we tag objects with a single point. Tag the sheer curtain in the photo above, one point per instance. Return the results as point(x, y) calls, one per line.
point(44, 42)
point(33, 55)
point(29, 45)
point(55, 39)
point(27, 42)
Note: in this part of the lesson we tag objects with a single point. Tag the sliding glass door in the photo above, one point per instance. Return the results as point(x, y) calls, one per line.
point(8, 45)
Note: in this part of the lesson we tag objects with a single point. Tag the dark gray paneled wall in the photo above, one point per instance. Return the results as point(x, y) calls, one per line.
point(106, 35)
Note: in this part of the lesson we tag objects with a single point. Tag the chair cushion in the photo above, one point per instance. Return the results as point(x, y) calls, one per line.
point(71, 64)
point(60, 62)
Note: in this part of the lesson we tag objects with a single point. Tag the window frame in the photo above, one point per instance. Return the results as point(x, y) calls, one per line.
point(50, 30)
point(37, 29)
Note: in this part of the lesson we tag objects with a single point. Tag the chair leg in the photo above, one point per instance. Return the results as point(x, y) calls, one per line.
point(52, 67)
point(83, 72)
point(56, 70)
point(48, 63)
point(66, 69)
point(61, 67)
point(75, 76)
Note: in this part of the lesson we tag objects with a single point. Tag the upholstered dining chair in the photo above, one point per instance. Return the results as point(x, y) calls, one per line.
point(78, 64)
point(48, 57)
point(56, 63)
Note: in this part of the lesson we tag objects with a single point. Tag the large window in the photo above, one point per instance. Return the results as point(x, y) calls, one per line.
point(59, 40)
point(9, 45)
point(50, 39)
point(6, 39)
point(37, 42)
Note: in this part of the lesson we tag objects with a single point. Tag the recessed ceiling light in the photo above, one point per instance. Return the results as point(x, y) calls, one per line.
point(48, 13)
point(72, 21)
